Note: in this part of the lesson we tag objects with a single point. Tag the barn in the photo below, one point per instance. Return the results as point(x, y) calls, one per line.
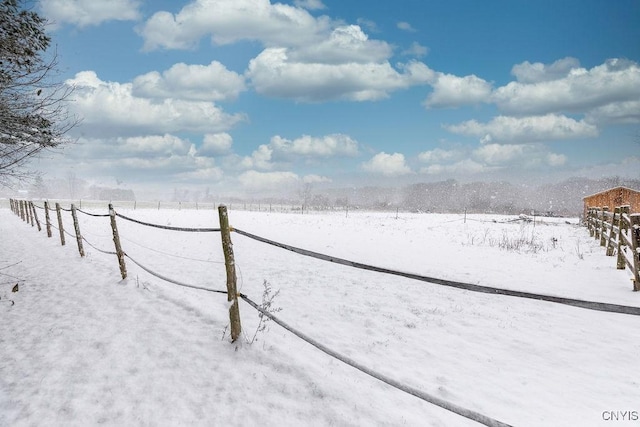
point(613, 197)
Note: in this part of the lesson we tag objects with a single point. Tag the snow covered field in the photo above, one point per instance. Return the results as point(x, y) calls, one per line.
point(82, 347)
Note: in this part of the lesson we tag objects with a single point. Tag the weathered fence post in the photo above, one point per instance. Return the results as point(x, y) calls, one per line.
point(76, 227)
point(116, 242)
point(35, 214)
point(60, 226)
point(22, 209)
point(31, 210)
point(47, 219)
point(603, 227)
point(232, 293)
point(615, 222)
point(623, 227)
point(590, 223)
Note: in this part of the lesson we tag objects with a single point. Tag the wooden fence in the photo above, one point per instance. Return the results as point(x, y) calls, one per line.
point(619, 233)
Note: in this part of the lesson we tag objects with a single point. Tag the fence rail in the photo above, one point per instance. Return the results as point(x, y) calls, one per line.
point(619, 233)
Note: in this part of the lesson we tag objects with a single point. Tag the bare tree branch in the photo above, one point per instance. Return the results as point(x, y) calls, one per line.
point(33, 113)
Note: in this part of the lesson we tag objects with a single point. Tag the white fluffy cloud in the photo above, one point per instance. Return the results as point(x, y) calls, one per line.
point(89, 12)
point(465, 166)
point(344, 45)
point(268, 181)
point(526, 129)
point(537, 72)
point(490, 157)
point(272, 73)
point(439, 155)
point(111, 109)
point(522, 154)
point(216, 144)
point(454, 91)
point(542, 90)
point(315, 179)
point(615, 112)
point(284, 150)
point(389, 165)
point(228, 21)
point(335, 145)
point(148, 158)
point(213, 82)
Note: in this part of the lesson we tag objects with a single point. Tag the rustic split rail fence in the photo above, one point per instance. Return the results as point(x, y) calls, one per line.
point(619, 233)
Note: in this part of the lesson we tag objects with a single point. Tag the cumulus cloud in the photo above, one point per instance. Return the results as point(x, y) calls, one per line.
point(281, 149)
point(527, 72)
point(541, 91)
point(438, 155)
point(307, 146)
point(213, 82)
point(110, 109)
point(521, 154)
point(490, 157)
point(465, 166)
point(453, 91)
point(272, 73)
point(216, 144)
point(84, 13)
point(146, 158)
point(228, 21)
point(615, 112)
point(268, 181)
point(389, 165)
point(526, 129)
point(315, 179)
point(346, 44)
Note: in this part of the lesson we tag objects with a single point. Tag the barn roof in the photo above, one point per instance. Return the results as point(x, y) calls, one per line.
point(611, 189)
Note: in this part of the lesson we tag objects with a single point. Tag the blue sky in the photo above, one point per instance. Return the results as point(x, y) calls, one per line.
point(253, 96)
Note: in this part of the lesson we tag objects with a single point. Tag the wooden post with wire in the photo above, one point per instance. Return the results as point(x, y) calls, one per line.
point(35, 214)
point(76, 227)
point(116, 242)
point(47, 219)
point(31, 212)
point(60, 226)
point(229, 260)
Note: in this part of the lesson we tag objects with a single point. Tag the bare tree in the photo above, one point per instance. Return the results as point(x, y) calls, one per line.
point(33, 116)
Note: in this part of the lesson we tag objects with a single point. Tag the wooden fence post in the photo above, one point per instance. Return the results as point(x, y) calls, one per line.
point(590, 223)
point(232, 293)
point(116, 242)
point(603, 227)
point(22, 209)
point(60, 226)
point(615, 222)
point(30, 209)
point(47, 219)
point(623, 226)
point(35, 214)
point(76, 227)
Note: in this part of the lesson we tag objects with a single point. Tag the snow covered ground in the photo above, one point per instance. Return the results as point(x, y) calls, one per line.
point(81, 347)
